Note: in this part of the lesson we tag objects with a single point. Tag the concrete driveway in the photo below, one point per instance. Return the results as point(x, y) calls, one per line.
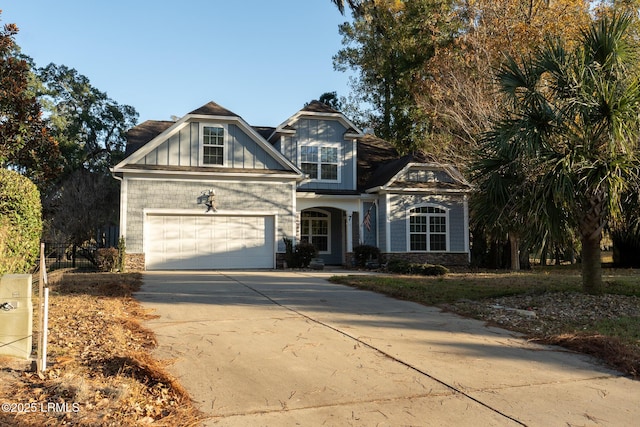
point(289, 348)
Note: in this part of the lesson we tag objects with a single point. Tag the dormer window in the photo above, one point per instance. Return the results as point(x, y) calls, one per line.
point(421, 176)
point(320, 162)
point(212, 144)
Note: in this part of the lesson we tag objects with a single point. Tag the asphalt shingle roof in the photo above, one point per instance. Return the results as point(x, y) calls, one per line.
point(318, 107)
point(213, 109)
point(373, 154)
point(378, 160)
point(143, 133)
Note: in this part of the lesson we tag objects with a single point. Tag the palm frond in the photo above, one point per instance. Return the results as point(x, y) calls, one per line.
point(605, 43)
point(564, 154)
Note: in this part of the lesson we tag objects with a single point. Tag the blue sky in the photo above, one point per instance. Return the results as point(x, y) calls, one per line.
point(260, 59)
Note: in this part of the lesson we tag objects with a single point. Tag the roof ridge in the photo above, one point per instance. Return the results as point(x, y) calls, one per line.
point(316, 106)
point(212, 108)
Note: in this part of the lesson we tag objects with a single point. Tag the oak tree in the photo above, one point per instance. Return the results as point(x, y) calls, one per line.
point(388, 44)
point(25, 142)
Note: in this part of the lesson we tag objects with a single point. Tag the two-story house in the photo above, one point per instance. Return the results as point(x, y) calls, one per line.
point(209, 191)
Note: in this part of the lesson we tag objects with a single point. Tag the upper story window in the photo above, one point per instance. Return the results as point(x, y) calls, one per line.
point(428, 229)
point(320, 162)
point(212, 144)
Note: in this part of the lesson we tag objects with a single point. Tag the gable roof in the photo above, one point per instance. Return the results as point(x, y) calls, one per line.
point(139, 135)
point(148, 135)
point(392, 166)
point(379, 166)
point(378, 163)
point(319, 107)
point(213, 109)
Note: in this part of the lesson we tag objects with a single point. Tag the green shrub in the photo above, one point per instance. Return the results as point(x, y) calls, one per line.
point(300, 255)
point(400, 266)
point(20, 222)
point(365, 253)
point(434, 270)
point(303, 254)
point(289, 256)
point(122, 248)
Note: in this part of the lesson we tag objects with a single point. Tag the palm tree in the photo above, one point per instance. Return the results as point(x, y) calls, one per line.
point(497, 179)
point(571, 123)
point(355, 5)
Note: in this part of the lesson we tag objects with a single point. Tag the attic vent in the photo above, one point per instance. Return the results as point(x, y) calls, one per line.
point(421, 176)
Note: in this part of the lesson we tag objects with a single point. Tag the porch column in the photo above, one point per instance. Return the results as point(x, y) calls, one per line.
point(349, 230)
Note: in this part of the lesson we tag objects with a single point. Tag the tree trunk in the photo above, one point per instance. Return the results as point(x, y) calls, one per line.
point(514, 245)
point(591, 265)
point(591, 226)
point(525, 258)
point(543, 255)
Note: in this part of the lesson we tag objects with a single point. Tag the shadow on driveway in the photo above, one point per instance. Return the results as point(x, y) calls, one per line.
point(244, 341)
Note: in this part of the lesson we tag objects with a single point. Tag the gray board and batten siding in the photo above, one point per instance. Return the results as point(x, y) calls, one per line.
point(183, 149)
point(319, 131)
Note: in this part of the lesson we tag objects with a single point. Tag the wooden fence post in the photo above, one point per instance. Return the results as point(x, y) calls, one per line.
point(41, 357)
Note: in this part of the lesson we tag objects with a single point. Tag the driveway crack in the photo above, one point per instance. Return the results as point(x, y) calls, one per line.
point(451, 387)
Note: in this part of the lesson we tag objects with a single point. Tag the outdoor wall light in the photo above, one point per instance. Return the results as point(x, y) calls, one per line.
point(208, 197)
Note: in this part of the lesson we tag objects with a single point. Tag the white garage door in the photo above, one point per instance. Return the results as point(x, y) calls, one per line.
point(206, 242)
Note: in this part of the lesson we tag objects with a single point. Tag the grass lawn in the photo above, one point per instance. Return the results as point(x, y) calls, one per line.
point(596, 325)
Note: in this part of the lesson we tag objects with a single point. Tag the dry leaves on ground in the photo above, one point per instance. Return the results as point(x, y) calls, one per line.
point(564, 318)
point(100, 365)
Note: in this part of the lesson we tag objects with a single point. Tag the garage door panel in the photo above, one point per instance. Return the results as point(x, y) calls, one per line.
point(190, 238)
point(204, 234)
point(177, 242)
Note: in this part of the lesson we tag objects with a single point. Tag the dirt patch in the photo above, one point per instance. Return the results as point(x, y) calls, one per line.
point(569, 319)
point(101, 372)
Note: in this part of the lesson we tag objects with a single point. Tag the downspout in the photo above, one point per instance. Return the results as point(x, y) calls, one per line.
point(123, 204)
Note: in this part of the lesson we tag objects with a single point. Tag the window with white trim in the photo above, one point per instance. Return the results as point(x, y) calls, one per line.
point(212, 144)
point(314, 229)
point(428, 229)
point(419, 175)
point(320, 162)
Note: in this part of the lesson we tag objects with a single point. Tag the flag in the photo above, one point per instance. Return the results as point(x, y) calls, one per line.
point(367, 219)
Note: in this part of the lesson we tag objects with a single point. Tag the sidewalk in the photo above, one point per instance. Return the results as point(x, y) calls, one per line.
point(276, 348)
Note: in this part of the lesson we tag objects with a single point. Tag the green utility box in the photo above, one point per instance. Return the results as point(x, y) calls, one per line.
point(16, 315)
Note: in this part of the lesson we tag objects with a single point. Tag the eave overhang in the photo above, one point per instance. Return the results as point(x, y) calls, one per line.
point(159, 172)
point(352, 130)
point(383, 189)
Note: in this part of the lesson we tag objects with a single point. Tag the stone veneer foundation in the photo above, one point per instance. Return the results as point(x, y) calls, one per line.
point(441, 258)
point(134, 262)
